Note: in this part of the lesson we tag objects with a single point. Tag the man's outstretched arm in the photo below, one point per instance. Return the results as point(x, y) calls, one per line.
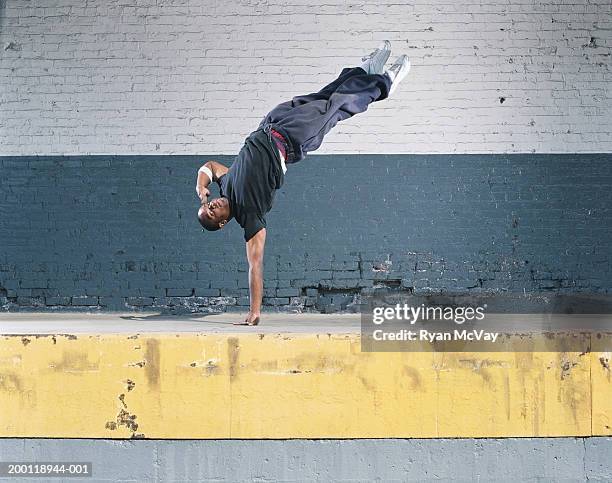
point(255, 253)
point(211, 171)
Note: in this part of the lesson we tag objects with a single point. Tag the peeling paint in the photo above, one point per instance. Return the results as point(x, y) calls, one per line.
point(369, 386)
point(124, 419)
point(152, 367)
point(413, 376)
point(604, 361)
point(566, 365)
point(74, 361)
point(211, 366)
point(233, 351)
point(478, 364)
point(10, 382)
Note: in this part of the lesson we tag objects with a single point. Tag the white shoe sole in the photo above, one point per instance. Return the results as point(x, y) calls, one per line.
point(403, 72)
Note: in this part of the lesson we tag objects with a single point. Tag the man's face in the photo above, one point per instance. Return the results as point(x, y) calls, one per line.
point(216, 211)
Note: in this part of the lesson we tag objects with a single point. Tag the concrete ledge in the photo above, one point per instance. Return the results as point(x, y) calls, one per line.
point(249, 383)
point(440, 460)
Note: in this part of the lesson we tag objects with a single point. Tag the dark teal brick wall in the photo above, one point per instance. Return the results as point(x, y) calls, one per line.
point(121, 232)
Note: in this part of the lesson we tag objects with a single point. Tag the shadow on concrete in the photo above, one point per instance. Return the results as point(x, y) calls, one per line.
point(179, 317)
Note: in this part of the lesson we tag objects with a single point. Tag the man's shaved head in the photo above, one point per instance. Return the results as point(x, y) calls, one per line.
point(214, 214)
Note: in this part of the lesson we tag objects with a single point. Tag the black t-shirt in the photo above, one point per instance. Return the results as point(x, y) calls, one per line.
point(251, 181)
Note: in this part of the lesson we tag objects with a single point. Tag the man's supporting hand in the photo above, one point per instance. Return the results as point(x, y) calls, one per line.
point(252, 318)
point(255, 253)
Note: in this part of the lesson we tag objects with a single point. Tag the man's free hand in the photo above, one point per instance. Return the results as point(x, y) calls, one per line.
point(203, 193)
point(211, 171)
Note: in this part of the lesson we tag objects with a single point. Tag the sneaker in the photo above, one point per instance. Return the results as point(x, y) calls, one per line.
point(398, 71)
point(374, 63)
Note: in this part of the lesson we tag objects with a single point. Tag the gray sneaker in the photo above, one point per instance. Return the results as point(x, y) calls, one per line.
point(398, 71)
point(374, 63)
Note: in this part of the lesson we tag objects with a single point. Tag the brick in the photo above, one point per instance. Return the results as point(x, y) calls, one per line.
point(30, 301)
point(222, 301)
point(9, 284)
point(287, 292)
point(43, 292)
point(226, 284)
point(328, 308)
point(342, 284)
point(290, 275)
point(33, 284)
point(112, 303)
point(51, 301)
point(179, 292)
point(243, 301)
point(276, 301)
point(140, 301)
point(84, 301)
point(342, 274)
point(345, 265)
point(310, 301)
point(207, 292)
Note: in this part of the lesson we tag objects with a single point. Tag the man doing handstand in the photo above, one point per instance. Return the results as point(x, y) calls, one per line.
point(290, 131)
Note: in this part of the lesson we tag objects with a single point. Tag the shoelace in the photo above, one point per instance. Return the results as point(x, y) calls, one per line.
point(369, 56)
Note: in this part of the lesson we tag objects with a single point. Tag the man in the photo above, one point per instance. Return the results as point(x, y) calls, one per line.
point(285, 136)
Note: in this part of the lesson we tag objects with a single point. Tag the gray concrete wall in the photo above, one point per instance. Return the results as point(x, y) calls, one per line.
point(187, 77)
point(511, 460)
point(121, 232)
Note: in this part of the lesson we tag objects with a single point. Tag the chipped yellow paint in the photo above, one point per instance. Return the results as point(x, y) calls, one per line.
point(601, 385)
point(290, 386)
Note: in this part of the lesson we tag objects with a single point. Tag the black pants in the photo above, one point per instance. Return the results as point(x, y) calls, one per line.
point(305, 120)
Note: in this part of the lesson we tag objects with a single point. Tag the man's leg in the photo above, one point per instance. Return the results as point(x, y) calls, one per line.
point(373, 64)
point(307, 119)
point(277, 114)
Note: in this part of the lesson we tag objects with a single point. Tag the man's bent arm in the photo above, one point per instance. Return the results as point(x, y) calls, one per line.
point(211, 171)
point(255, 252)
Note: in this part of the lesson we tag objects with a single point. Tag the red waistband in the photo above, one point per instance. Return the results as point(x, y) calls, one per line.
point(280, 142)
point(278, 135)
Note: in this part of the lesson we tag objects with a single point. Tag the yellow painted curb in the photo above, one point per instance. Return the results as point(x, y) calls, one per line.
point(290, 386)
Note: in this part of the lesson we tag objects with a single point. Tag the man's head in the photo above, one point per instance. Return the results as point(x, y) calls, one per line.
point(214, 214)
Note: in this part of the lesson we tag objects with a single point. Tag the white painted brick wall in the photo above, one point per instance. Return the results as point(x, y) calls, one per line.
point(195, 76)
